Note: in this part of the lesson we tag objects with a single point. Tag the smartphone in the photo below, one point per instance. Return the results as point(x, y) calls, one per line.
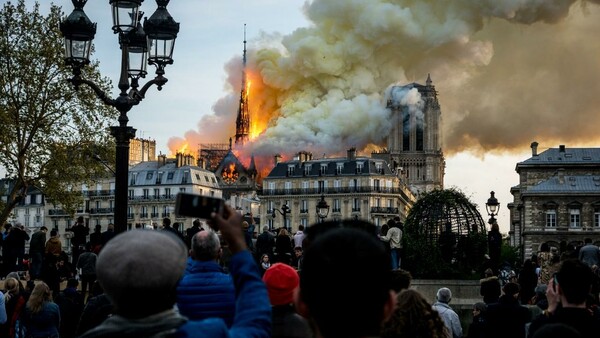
point(198, 206)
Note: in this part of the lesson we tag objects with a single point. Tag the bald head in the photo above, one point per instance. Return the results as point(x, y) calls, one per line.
point(206, 246)
point(136, 264)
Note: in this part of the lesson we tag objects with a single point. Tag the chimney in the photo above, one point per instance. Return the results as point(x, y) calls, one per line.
point(162, 160)
point(277, 158)
point(352, 154)
point(561, 176)
point(178, 160)
point(534, 146)
point(561, 148)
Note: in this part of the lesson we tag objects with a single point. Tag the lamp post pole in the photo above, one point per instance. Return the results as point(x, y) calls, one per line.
point(151, 44)
point(285, 210)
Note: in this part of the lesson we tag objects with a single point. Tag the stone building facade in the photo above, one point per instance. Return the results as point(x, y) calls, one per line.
point(557, 200)
point(414, 144)
point(353, 187)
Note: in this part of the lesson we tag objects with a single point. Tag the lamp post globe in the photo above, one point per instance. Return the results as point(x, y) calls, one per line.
point(322, 209)
point(491, 206)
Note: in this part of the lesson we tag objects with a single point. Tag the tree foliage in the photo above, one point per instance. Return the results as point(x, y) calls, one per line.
point(49, 130)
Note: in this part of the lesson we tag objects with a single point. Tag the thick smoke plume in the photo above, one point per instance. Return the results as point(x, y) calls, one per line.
point(508, 72)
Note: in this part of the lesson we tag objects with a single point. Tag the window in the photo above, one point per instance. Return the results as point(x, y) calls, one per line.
point(359, 167)
point(130, 193)
point(355, 204)
point(133, 178)
point(336, 205)
point(337, 185)
point(146, 193)
point(149, 175)
point(377, 185)
point(304, 206)
point(304, 222)
point(181, 189)
point(168, 192)
point(321, 185)
point(597, 218)
point(390, 203)
point(307, 169)
point(339, 167)
point(206, 179)
point(170, 175)
point(97, 205)
point(405, 129)
point(305, 186)
point(551, 218)
point(290, 170)
point(156, 193)
point(184, 178)
point(379, 167)
point(323, 169)
point(574, 218)
point(288, 187)
point(159, 177)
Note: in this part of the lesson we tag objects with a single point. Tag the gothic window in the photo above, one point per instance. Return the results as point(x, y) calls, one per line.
point(405, 129)
point(419, 131)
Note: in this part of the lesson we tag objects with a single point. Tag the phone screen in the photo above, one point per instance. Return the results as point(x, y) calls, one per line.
point(192, 205)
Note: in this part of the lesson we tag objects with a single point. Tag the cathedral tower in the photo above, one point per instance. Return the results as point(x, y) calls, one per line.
point(414, 143)
point(242, 123)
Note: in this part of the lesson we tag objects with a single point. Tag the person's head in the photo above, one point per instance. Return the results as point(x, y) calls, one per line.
point(281, 281)
point(588, 241)
point(264, 258)
point(479, 309)
point(300, 227)
point(283, 232)
point(345, 281)
point(110, 227)
point(98, 228)
point(444, 295)
point(41, 294)
point(196, 223)
point(401, 280)
point(266, 228)
point(391, 223)
point(298, 251)
point(11, 285)
point(80, 220)
point(44, 229)
point(495, 227)
point(206, 246)
point(166, 222)
point(489, 272)
point(245, 225)
point(136, 264)
point(511, 289)
point(545, 247)
point(413, 316)
point(574, 281)
point(72, 283)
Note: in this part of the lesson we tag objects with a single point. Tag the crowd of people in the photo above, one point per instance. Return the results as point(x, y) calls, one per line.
point(222, 279)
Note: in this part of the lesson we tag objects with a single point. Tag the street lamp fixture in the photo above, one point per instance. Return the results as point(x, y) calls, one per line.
point(322, 209)
point(153, 43)
point(285, 210)
point(492, 207)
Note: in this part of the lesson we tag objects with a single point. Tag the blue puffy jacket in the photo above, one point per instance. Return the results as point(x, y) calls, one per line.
point(205, 291)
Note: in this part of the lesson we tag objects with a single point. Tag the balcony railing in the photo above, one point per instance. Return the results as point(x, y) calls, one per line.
point(130, 216)
point(92, 193)
point(102, 211)
point(384, 210)
point(152, 197)
point(331, 191)
point(144, 215)
point(154, 214)
point(166, 214)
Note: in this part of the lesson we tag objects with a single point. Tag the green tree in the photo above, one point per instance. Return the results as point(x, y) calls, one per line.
point(49, 131)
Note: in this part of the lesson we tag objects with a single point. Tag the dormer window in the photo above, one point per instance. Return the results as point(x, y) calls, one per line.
point(379, 167)
point(307, 169)
point(359, 167)
point(323, 169)
point(339, 167)
point(290, 170)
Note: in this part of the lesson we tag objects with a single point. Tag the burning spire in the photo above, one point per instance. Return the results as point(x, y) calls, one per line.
point(242, 123)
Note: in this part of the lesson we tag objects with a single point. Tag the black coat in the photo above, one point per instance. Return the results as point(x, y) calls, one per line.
point(507, 318)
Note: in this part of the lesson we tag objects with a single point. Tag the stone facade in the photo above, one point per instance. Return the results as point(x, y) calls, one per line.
point(414, 146)
point(353, 187)
point(557, 200)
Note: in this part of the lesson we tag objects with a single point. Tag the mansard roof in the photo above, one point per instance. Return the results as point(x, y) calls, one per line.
point(577, 184)
point(564, 156)
point(349, 167)
point(147, 174)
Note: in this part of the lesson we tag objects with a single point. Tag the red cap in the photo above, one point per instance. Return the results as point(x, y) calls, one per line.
point(281, 280)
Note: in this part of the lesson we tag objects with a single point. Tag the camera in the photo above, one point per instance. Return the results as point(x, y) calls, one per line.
point(198, 206)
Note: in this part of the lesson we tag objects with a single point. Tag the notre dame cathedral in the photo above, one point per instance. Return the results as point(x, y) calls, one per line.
point(414, 145)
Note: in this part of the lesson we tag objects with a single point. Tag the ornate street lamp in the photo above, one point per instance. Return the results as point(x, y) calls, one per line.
point(322, 209)
point(492, 207)
point(285, 210)
point(151, 44)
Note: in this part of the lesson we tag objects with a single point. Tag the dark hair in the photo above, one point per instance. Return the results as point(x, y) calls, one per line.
point(166, 221)
point(53, 233)
point(43, 228)
point(556, 330)
point(545, 247)
point(400, 280)
point(575, 280)
point(345, 280)
point(72, 283)
point(317, 230)
point(413, 317)
point(196, 223)
point(300, 227)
